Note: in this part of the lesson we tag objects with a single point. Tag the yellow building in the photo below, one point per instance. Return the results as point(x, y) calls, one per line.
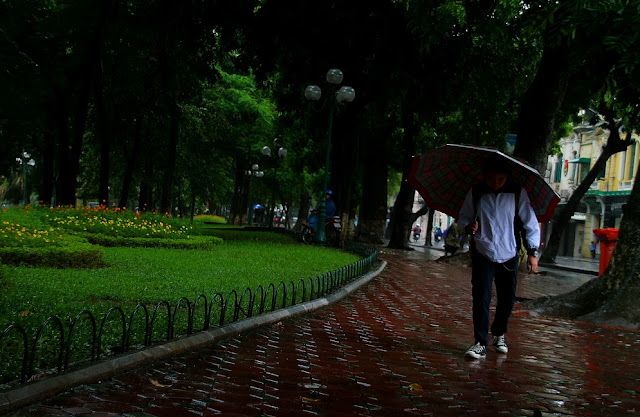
point(603, 203)
point(609, 193)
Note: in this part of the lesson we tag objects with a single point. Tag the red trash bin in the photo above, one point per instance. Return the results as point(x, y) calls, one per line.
point(608, 238)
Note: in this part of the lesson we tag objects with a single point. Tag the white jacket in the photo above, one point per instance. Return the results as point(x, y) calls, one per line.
point(495, 237)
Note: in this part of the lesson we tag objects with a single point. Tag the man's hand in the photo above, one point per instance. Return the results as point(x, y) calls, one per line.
point(532, 264)
point(471, 228)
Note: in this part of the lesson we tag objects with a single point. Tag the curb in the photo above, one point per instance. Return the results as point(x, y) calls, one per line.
point(569, 269)
point(39, 390)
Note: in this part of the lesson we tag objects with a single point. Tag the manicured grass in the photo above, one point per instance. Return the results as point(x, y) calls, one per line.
point(161, 259)
point(142, 275)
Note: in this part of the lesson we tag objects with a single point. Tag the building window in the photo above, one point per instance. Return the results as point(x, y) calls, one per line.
point(558, 172)
point(584, 170)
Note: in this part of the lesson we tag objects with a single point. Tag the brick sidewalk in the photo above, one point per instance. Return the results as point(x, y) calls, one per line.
point(393, 348)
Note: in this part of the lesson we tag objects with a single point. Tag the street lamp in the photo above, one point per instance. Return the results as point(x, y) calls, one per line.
point(282, 152)
point(253, 172)
point(26, 161)
point(341, 95)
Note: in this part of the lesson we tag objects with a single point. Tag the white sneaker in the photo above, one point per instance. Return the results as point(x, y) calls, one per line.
point(499, 344)
point(476, 351)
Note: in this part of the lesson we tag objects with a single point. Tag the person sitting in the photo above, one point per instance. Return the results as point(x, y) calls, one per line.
point(452, 241)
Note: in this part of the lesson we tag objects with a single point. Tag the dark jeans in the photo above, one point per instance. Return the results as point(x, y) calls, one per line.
point(482, 276)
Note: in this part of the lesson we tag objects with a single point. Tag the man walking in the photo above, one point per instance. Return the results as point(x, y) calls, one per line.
point(496, 212)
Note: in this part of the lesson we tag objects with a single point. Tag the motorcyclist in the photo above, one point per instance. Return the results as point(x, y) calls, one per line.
point(438, 234)
point(330, 210)
point(416, 232)
point(331, 206)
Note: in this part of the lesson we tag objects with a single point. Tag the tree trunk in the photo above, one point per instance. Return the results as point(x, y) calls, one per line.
point(239, 200)
point(103, 134)
point(427, 236)
point(414, 216)
point(561, 218)
point(193, 206)
point(131, 163)
point(612, 298)
point(48, 177)
point(347, 153)
point(373, 211)
point(172, 154)
point(401, 212)
point(145, 201)
point(540, 106)
point(68, 152)
point(303, 212)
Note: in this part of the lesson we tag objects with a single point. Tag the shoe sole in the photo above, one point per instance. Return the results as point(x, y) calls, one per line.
point(501, 350)
point(474, 356)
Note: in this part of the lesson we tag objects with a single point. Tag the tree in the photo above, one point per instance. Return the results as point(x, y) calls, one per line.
point(614, 145)
point(112, 76)
point(612, 297)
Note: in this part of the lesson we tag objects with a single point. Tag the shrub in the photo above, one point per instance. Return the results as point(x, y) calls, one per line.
point(81, 255)
point(195, 242)
point(209, 219)
point(116, 222)
point(249, 235)
point(46, 247)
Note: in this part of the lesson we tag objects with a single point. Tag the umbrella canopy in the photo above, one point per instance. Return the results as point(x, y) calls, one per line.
point(444, 175)
point(258, 206)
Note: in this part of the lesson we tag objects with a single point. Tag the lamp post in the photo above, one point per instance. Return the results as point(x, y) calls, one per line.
point(253, 172)
point(340, 96)
point(26, 161)
point(282, 152)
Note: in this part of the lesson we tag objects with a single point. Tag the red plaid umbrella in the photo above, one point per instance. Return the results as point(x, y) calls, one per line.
point(444, 175)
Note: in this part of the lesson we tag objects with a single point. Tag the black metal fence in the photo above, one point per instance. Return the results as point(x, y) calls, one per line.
point(184, 318)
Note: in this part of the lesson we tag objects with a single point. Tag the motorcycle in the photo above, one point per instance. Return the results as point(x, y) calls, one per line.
point(416, 236)
point(332, 230)
point(279, 221)
point(438, 235)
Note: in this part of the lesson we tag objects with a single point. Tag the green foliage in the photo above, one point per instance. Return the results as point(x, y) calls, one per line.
point(196, 242)
point(116, 223)
point(82, 255)
point(563, 130)
point(209, 219)
point(66, 237)
point(231, 235)
point(393, 184)
point(25, 241)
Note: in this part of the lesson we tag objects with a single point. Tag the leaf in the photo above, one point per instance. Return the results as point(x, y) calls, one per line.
point(309, 400)
point(415, 387)
point(157, 384)
point(25, 313)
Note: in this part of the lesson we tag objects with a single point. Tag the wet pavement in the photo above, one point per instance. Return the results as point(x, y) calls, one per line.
point(394, 347)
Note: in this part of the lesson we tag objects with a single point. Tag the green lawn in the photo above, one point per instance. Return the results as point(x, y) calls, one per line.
point(132, 275)
point(155, 259)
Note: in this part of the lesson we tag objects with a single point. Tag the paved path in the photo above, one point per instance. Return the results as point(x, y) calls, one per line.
point(395, 347)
